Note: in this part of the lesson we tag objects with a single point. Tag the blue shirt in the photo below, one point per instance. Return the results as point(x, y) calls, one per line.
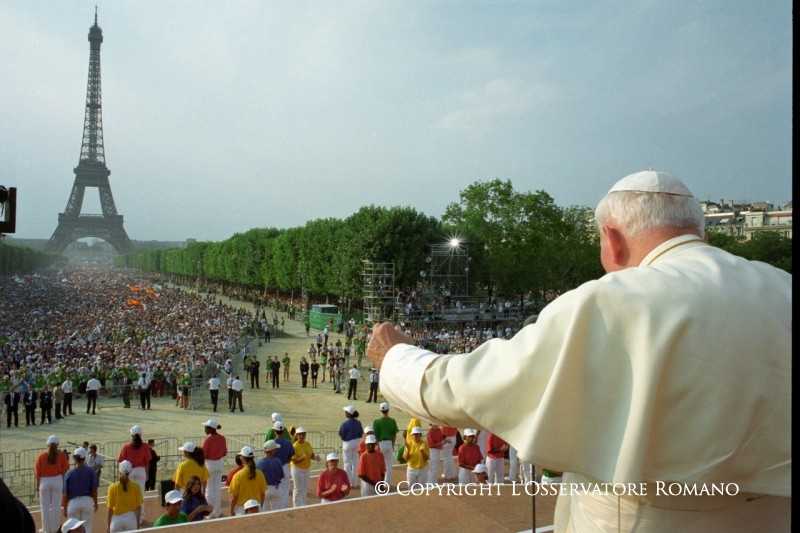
point(192, 503)
point(286, 450)
point(272, 469)
point(351, 429)
point(80, 481)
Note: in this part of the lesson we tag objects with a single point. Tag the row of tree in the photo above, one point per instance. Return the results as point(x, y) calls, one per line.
point(22, 260)
point(766, 246)
point(518, 242)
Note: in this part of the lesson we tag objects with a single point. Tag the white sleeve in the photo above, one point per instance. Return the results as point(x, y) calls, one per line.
point(401, 378)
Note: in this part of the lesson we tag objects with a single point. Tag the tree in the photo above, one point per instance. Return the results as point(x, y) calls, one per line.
point(519, 239)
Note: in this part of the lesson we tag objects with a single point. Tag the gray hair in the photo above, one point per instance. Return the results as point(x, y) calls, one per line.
point(636, 212)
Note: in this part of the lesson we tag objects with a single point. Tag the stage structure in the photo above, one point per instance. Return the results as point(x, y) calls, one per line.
point(91, 171)
point(380, 299)
point(447, 275)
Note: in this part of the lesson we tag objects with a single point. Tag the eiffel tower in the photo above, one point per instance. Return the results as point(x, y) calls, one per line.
point(91, 172)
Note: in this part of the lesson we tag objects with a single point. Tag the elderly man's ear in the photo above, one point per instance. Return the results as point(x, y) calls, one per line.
point(614, 251)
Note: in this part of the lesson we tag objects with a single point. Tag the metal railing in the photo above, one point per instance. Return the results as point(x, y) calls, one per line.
point(16, 467)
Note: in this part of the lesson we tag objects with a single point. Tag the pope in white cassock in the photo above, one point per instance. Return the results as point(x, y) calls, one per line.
point(673, 367)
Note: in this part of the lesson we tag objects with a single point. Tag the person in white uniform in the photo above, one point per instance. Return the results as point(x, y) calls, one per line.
point(48, 471)
point(673, 367)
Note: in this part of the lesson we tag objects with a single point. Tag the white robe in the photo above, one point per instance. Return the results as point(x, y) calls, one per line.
point(676, 370)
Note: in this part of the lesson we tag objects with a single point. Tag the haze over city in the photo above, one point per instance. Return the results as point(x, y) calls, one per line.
point(220, 118)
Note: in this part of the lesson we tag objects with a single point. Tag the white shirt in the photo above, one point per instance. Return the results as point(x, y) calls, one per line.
point(237, 385)
point(67, 387)
point(230, 382)
point(94, 461)
point(213, 384)
point(354, 373)
point(373, 377)
point(646, 373)
point(142, 383)
point(93, 384)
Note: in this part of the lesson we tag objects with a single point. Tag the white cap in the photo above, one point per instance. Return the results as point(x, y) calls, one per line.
point(331, 457)
point(271, 445)
point(371, 439)
point(246, 451)
point(349, 409)
point(277, 416)
point(136, 430)
point(79, 452)
point(71, 524)
point(212, 423)
point(301, 429)
point(173, 496)
point(469, 432)
point(125, 467)
point(278, 426)
point(249, 504)
point(188, 446)
point(52, 439)
point(369, 429)
point(384, 407)
point(416, 430)
point(651, 181)
point(480, 468)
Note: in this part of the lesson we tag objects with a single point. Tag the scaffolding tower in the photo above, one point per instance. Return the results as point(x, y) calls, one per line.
point(378, 290)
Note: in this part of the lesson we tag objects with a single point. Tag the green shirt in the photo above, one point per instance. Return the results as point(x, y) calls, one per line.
point(385, 428)
point(166, 520)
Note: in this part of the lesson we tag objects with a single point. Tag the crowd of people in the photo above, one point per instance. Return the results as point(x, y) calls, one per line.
point(83, 331)
point(462, 337)
point(264, 480)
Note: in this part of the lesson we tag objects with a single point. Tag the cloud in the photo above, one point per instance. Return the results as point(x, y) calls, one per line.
point(486, 106)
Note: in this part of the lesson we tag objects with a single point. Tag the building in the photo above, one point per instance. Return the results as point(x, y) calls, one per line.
point(742, 221)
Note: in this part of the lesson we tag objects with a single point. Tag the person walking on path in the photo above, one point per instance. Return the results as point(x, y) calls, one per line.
point(92, 389)
point(353, 386)
point(304, 367)
point(373, 385)
point(236, 389)
point(58, 399)
point(213, 390)
point(67, 388)
point(287, 362)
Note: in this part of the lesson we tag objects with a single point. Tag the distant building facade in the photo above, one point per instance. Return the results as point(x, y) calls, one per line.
point(742, 221)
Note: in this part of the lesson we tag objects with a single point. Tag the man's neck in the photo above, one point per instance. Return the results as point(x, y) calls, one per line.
point(648, 241)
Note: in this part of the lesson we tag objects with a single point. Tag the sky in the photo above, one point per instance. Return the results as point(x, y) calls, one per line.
point(224, 116)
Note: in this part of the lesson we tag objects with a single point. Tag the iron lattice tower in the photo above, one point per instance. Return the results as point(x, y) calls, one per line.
point(91, 171)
